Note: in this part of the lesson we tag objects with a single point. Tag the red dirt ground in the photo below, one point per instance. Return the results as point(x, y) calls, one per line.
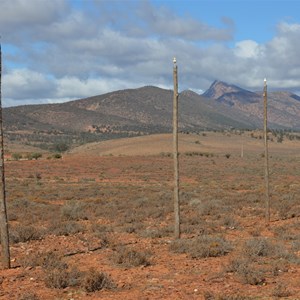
point(170, 275)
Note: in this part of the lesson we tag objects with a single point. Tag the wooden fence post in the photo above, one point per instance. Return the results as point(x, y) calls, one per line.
point(175, 153)
point(3, 213)
point(266, 152)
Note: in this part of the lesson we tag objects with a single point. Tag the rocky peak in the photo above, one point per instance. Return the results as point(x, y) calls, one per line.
point(219, 88)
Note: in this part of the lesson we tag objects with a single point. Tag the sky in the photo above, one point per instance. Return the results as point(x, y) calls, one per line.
point(61, 50)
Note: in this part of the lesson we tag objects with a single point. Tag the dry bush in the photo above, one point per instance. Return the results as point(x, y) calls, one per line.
point(56, 278)
point(57, 273)
point(201, 247)
point(246, 271)
point(99, 229)
point(29, 296)
point(23, 233)
point(157, 232)
point(212, 296)
point(96, 281)
point(52, 260)
point(74, 211)
point(48, 260)
point(230, 221)
point(127, 257)
point(262, 247)
point(258, 247)
point(210, 208)
point(287, 206)
point(281, 290)
point(66, 228)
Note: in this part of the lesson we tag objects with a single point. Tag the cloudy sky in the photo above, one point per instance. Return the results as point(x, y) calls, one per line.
point(60, 50)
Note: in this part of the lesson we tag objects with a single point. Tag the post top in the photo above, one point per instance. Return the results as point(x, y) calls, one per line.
point(265, 80)
point(174, 60)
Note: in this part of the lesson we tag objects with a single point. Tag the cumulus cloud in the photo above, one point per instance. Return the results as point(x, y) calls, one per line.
point(22, 19)
point(164, 22)
point(55, 51)
point(23, 84)
point(247, 49)
point(74, 87)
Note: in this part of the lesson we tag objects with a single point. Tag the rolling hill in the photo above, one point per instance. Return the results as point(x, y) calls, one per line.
point(143, 111)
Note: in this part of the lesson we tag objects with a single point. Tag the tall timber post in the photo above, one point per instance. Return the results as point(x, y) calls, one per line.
point(3, 212)
point(266, 152)
point(175, 152)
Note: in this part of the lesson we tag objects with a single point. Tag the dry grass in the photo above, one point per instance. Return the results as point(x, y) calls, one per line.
point(116, 214)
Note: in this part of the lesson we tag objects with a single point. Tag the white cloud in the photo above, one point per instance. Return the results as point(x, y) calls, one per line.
point(247, 49)
point(68, 54)
point(76, 88)
point(23, 19)
point(21, 84)
point(164, 22)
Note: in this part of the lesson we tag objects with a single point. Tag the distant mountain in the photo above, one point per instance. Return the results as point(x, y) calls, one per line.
point(230, 94)
point(283, 107)
point(146, 110)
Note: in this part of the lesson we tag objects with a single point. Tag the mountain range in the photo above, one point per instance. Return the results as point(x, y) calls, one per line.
point(147, 110)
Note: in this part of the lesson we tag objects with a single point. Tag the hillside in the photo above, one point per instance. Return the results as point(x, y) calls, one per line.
point(283, 107)
point(207, 142)
point(146, 110)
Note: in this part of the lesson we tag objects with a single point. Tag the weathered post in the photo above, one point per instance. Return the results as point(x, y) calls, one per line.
point(175, 152)
point(3, 213)
point(266, 152)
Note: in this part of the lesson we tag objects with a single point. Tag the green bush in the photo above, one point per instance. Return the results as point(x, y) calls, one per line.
point(16, 156)
point(36, 155)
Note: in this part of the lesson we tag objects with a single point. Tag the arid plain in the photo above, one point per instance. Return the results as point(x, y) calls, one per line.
point(98, 223)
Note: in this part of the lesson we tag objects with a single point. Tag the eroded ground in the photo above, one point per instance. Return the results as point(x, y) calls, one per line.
point(75, 217)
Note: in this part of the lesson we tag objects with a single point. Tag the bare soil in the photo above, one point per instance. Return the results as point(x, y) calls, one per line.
point(112, 211)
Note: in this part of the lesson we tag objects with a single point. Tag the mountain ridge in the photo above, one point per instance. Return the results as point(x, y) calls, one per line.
point(147, 110)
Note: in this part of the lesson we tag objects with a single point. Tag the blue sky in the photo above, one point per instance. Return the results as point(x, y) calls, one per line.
point(253, 19)
point(60, 50)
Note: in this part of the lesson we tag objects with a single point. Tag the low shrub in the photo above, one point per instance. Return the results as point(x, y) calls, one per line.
point(23, 234)
point(201, 247)
point(130, 258)
point(246, 271)
point(263, 247)
point(66, 228)
point(74, 210)
point(281, 290)
point(211, 296)
point(58, 273)
point(57, 278)
point(256, 247)
point(96, 281)
point(16, 156)
point(29, 296)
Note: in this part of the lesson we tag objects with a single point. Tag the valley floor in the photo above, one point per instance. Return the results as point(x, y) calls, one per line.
point(101, 227)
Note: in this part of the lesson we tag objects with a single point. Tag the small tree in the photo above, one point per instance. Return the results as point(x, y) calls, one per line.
point(61, 147)
point(16, 156)
point(36, 155)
